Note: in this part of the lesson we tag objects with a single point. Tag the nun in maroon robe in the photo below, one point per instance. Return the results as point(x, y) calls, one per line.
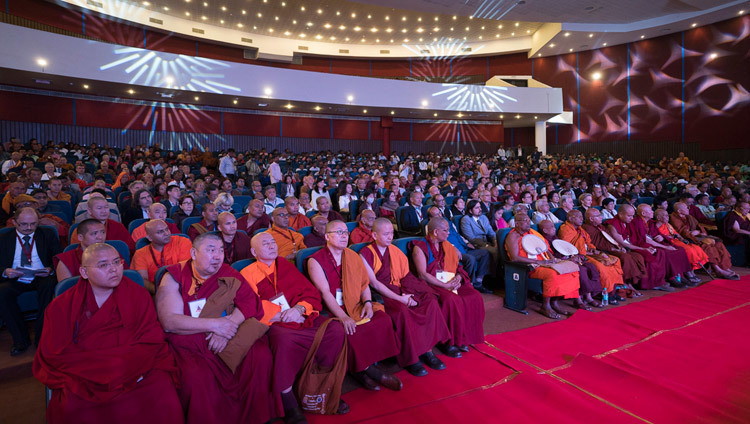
point(419, 327)
point(209, 391)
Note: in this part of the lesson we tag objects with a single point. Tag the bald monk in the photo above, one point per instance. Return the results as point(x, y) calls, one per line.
point(634, 239)
point(363, 232)
point(67, 263)
point(324, 210)
point(236, 244)
point(163, 249)
point(288, 241)
point(696, 256)
point(610, 271)
point(293, 325)
point(103, 352)
point(98, 208)
point(340, 276)
point(554, 284)
point(588, 276)
point(297, 220)
point(317, 235)
point(689, 228)
point(462, 305)
point(409, 301)
point(633, 266)
point(254, 219)
point(210, 392)
point(155, 211)
point(207, 224)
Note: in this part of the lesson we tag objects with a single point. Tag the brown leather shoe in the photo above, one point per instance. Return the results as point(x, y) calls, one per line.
point(366, 382)
point(294, 416)
point(390, 381)
point(343, 408)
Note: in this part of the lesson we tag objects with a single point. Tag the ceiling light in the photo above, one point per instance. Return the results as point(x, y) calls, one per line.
point(342, 27)
point(591, 35)
point(451, 28)
point(364, 40)
point(320, 11)
point(434, 114)
point(436, 19)
point(516, 23)
point(41, 62)
point(570, 50)
point(327, 26)
point(369, 16)
point(318, 108)
point(436, 29)
point(460, 115)
point(642, 37)
point(467, 28)
point(332, 38)
point(483, 28)
point(373, 30)
point(604, 44)
point(501, 116)
point(454, 17)
point(309, 24)
point(421, 39)
point(377, 40)
point(287, 33)
point(260, 15)
point(539, 54)
point(714, 55)
point(204, 17)
point(499, 27)
point(302, 35)
point(318, 37)
point(244, 12)
point(268, 91)
point(741, 12)
point(294, 21)
point(357, 29)
point(169, 80)
point(596, 76)
point(424, 103)
point(221, 21)
point(497, 35)
point(86, 86)
point(518, 116)
point(420, 30)
point(552, 45)
point(283, 3)
point(403, 18)
point(389, 30)
point(404, 30)
point(567, 34)
point(512, 34)
point(145, 3)
point(387, 18)
point(288, 106)
point(346, 39)
point(239, 25)
point(528, 31)
point(391, 40)
point(695, 24)
point(275, 18)
point(393, 113)
point(187, 13)
point(406, 40)
point(302, 8)
point(354, 15)
point(166, 8)
point(197, 98)
point(364, 111)
point(223, 8)
point(131, 91)
point(270, 29)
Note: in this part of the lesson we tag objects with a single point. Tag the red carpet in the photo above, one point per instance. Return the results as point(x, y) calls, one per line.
point(680, 358)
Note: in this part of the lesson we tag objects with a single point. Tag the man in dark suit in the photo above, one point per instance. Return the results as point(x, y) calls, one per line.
point(439, 202)
point(26, 248)
point(412, 216)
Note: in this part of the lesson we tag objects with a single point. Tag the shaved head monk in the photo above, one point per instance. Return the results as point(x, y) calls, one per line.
point(67, 263)
point(297, 220)
point(191, 298)
point(289, 242)
point(409, 301)
point(363, 232)
point(437, 262)
point(98, 209)
point(254, 219)
point(155, 211)
point(164, 249)
point(696, 256)
point(679, 269)
point(103, 352)
point(554, 284)
point(208, 223)
point(236, 244)
point(341, 277)
point(317, 236)
point(291, 306)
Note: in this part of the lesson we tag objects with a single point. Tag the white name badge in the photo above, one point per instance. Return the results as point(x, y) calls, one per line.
point(339, 297)
point(444, 276)
point(280, 300)
point(196, 307)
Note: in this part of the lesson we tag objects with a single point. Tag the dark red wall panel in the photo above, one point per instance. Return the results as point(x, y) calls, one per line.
point(187, 120)
point(510, 64)
point(259, 125)
point(390, 68)
point(114, 32)
point(171, 43)
point(350, 67)
point(350, 129)
point(47, 13)
point(314, 64)
point(306, 127)
point(603, 102)
point(439, 131)
point(469, 66)
point(113, 115)
point(32, 108)
point(426, 68)
point(482, 133)
point(401, 131)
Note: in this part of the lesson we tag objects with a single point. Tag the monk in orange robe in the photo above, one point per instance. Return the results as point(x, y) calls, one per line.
point(553, 284)
point(155, 211)
point(363, 232)
point(164, 249)
point(696, 256)
point(294, 320)
point(610, 271)
point(209, 390)
point(289, 242)
point(103, 352)
point(98, 209)
point(297, 220)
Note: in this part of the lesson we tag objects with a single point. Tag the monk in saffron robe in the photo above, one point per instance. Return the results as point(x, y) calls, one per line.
point(363, 232)
point(207, 224)
point(208, 389)
point(340, 276)
point(696, 256)
point(236, 244)
point(554, 284)
point(67, 263)
point(677, 260)
point(297, 220)
point(689, 228)
point(155, 211)
point(98, 209)
point(409, 301)
point(626, 235)
point(610, 271)
point(254, 219)
point(462, 305)
point(289, 242)
point(102, 351)
point(293, 323)
point(633, 266)
point(164, 249)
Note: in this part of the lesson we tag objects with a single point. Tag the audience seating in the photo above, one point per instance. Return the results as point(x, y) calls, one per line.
point(302, 256)
point(358, 246)
point(402, 243)
point(143, 241)
point(305, 230)
point(516, 277)
point(241, 264)
point(187, 222)
point(140, 221)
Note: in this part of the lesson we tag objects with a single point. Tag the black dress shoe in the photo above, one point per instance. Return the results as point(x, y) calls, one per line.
point(482, 289)
point(618, 298)
point(463, 348)
point(18, 349)
point(417, 370)
point(390, 381)
point(294, 416)
point(432, 361)
point(450, 350)
point(343, 407)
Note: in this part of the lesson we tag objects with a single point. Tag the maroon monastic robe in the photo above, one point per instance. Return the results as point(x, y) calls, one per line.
point(633, 266)
point(420, 327)
point(655, 263)
point(208, 390)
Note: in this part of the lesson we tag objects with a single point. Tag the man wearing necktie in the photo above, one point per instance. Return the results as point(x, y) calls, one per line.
point(26, 263)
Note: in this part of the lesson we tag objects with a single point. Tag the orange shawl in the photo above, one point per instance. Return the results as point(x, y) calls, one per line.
point(354, 280)
point(399, 263)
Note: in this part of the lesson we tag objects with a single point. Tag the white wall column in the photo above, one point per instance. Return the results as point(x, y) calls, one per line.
point(540, 136)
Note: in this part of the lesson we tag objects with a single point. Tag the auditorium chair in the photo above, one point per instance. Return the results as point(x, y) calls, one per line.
point(240, 203)
point(242, 263)
point(403, 243)
point(353, 209)
point(62, 206)
point(516, 277)
point(143, 241)
point(187, 222)
point(305, 230)
point(67, 283)
point(302, 256)
point(159, 275)
point(350, 226)
point(120, 245)
point(358, 246)
point(138, 222)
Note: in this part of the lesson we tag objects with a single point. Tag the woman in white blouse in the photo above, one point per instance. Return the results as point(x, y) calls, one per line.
point(346, 196)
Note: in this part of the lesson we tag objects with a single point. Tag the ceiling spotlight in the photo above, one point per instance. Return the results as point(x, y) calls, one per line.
point(567, 34)
point(536, 117)
point(302, 8)
point(86, 86)
point(460, 115)
point(166, 8)
point(244, 12)
point(320, 11)
point(350, 98)
point(387, 18)
point(234, 101)
point(187, 13)
point(357, 29)
point(393, 113)
point(604, 44)
point(288, 106)
point(518, 116)
point(145, 3)
point(268, 91)
point(695, 24)
point(169, 80)
point(434, 114)
point(373, 30)
point(318, 107)
point(260, 15)
point(570, 50)
point(223, 8)
point(596, 76)
point(41, 62)
point(327, 26)
point(403, 18)
point(642, 37)
point(204, 17)
point(239, 25)
point(552, 45)
point(501, 116)
point(714, 55)
point(591, 35)
point(499, 27)
point(131, 91)
point(364, 111)
point(420, 30)
point(517, 24)
point(741, 12)
point(354, 15)
point(424, 103)
point(197, 98)
point(342, 27)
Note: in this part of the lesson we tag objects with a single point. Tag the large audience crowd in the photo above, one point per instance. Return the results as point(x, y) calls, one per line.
point(243, 257)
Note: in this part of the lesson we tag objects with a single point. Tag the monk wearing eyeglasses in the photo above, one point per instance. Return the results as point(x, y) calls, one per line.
point(289, 242)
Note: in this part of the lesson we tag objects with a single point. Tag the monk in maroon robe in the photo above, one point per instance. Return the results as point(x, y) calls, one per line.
point(98, 208)
point(102, 351)
point(340, 276)
point(255, 218)
point(294, 323)
point(90, 231)
point(463, 310)
point(363, 232)
point(409, 301)
point(679, 270)
point(236, 243)
point(208, 389)
point(207, 224)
